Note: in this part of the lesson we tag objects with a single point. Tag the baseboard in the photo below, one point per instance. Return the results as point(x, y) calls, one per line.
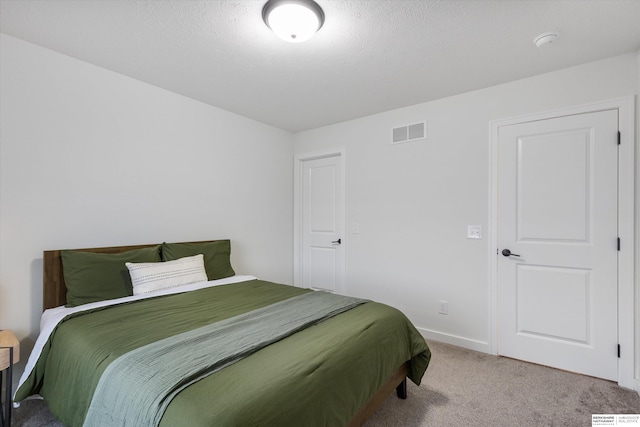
point(468, 343)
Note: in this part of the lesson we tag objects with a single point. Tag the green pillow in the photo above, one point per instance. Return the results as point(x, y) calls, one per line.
point(217, 255)
point(92, 277)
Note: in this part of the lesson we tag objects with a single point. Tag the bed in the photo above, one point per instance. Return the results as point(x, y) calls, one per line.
point(106, 352)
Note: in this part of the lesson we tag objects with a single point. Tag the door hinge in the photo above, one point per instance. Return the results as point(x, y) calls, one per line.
point(618, 137)
point(618, 351)
point(618, 243)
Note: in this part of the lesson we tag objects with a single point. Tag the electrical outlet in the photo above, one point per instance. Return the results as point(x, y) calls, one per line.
point(443, 307)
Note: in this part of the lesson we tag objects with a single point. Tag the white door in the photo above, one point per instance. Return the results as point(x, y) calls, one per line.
point(323, 224)
point(557, 215)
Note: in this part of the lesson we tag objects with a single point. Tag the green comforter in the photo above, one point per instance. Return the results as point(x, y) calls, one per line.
point(319, 376)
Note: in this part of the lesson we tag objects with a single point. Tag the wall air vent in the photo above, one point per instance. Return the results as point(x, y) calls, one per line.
point(409, 133)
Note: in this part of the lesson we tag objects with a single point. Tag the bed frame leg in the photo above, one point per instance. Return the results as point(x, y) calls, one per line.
point(401, 390)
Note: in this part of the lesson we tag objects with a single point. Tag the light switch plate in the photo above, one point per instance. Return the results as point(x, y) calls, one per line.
point(474, 232)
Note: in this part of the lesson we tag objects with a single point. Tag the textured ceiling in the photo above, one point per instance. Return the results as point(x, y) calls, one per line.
point(370, 56)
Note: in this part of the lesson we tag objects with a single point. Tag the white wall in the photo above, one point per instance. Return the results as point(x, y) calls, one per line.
point(414, 201)
point(637, 300)
point(91, 158)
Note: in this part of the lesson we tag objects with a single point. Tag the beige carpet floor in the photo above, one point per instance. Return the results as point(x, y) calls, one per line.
point(466, 388)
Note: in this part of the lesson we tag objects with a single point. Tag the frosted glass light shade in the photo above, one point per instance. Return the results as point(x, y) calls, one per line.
point(294, 21)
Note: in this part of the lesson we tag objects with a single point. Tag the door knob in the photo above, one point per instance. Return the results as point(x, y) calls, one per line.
point(507, 252)
point(337, 242)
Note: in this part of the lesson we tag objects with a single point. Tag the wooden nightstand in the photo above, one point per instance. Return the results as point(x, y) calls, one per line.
point(9, 354)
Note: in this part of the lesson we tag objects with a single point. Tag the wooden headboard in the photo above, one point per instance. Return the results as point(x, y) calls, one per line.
point(54, 289)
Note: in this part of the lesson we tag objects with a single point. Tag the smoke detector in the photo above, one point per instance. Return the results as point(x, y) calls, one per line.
point(545, 38)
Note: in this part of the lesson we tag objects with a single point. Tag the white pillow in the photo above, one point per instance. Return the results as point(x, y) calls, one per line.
point(152, 276)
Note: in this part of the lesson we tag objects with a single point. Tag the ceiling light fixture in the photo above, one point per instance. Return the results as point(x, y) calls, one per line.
point(293, 20)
